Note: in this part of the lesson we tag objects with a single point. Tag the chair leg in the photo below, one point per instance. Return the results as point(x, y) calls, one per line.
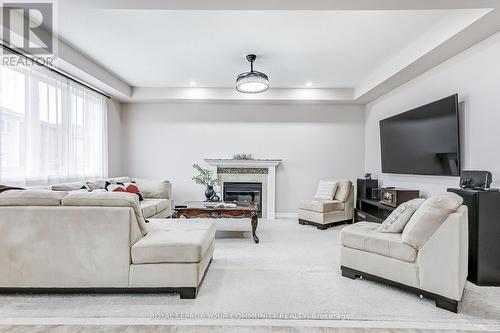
point(188, 293)
point(446, 303)
point(349, 273)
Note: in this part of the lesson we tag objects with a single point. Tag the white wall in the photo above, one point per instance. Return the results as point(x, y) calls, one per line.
point(114, 138)
point(475, 76)
point(315, 141)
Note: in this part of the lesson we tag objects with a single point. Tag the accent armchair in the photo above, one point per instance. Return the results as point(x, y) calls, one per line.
point(326, 213)
point(429, 257)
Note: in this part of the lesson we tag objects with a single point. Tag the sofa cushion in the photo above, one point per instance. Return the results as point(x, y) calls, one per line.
point(343, 190)
point(68, 186)
point(399, 217)
point(326, 190)
point(31, 198)
point(95, 184)
point(174, 241)
point(365, 237)
point(321, 206)
point(120, 180)
point(160, 204)
point(154, 189)
point(429, 217)
point(148, 208)
point(107, 199)
point(151, 207)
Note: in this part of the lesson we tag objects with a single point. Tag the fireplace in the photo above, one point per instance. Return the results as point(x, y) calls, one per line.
point(243, 192)
point(262, 171)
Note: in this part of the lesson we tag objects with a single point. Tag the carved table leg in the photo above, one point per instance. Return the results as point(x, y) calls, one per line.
point(254, 227)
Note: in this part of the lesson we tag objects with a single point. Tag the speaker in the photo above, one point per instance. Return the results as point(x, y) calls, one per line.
point(365, 186)
point(475, 179)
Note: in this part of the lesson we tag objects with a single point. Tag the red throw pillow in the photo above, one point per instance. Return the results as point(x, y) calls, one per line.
point(124, 187)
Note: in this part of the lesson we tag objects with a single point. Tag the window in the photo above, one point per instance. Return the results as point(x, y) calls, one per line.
point(4, 126)
point(51, 129)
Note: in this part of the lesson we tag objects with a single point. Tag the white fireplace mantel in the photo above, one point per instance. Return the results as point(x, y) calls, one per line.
point(231, 163)
point(270, 164)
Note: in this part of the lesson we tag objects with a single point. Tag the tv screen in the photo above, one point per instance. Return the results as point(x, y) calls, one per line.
point(423, 141)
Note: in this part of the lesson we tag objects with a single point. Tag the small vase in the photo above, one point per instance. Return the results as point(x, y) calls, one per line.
point(209, 192)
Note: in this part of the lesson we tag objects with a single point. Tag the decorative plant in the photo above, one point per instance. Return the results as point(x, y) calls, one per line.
point(204, 177)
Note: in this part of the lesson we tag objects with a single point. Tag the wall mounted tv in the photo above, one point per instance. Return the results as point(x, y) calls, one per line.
point(423, 141)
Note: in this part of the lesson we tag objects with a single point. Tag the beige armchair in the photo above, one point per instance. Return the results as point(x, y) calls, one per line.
point(326, 213)
point(430, 263)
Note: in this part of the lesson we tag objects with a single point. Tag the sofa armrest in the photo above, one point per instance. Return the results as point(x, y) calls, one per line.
point(443, 260)
point(349, 204)
point(154, 189)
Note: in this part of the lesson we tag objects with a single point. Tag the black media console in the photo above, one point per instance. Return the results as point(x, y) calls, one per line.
point(371, 210)
point(368, 209)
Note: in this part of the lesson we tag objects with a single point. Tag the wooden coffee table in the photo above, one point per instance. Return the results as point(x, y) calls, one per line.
point(194, 209)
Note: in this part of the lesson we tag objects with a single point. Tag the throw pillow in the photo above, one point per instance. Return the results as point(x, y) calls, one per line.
point(95, 184)
point(4, 188)
point(66, 187)
point(120, 180)
point(429, 217)
point(343, 190)
point(396, 222)
point(326, 190)
point(124, 187)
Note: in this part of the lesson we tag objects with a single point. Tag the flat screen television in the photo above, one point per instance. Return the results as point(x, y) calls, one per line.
point(423, 141)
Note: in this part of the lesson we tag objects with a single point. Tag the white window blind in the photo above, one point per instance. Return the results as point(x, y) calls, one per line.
point(51, 129)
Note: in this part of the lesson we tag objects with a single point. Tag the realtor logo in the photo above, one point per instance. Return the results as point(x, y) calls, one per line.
point(27, 27)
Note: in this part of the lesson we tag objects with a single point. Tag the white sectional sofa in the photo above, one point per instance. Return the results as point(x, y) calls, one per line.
point(98, 241)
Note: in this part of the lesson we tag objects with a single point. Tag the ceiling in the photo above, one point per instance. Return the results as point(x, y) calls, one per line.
point(336, 50)
point(329, 49)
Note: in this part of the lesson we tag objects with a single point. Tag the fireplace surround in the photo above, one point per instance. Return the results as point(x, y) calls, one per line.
point(250, 171)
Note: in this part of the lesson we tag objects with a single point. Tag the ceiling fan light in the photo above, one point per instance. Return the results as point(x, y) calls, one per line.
point(252, 82)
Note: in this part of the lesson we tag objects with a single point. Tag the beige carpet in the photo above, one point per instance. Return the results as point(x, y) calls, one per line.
point(293, 274)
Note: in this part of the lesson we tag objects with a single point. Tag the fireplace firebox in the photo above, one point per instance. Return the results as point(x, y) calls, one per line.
point(244, 192)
